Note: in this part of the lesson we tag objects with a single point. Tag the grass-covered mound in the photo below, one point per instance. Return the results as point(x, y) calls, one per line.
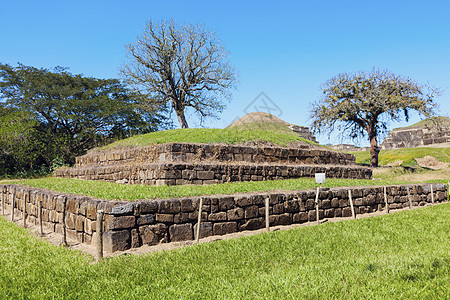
point(406, 156)
point(439, 121)
point(400, 255)
point(210, 136)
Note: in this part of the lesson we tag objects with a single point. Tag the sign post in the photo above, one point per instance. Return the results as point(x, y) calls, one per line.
point(320, 178)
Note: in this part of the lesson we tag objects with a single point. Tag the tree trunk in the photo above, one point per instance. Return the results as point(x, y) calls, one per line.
point(182, 119)
point(374, 149)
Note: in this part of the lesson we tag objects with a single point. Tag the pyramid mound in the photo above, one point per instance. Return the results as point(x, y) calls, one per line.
point(266, 121)
point(431, 131)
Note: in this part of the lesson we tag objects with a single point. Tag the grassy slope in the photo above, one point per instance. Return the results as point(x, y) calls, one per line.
point(443, 121)
point(400, 255)
point(406, 154)
point(111, 191)
point(209, 135)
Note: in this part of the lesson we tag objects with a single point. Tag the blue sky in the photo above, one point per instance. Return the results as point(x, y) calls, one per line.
point(285, 49)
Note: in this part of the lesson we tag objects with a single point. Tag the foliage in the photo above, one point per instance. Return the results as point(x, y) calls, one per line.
point(208, 136)
point(182, 66)
point(51, 114)
point(400, 255)
point(363, 104)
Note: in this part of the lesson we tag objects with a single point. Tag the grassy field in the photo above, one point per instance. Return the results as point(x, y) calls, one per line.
point(404, 255)
point(111, 191)
point(209, 135)
point(406, 155)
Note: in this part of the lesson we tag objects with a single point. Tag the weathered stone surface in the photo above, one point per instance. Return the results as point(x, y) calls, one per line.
point(122, 209)
point(145, 219)
point(235, 214)
point(180, 232)
point(171, 206)
point(164, 218)
point(116, 240)
point(220, 216)
point(113, 222)
point(148, 207)
point(301, 217)
point(206, 229)
point(224, 228)
point(153, 234)
point(253, 224)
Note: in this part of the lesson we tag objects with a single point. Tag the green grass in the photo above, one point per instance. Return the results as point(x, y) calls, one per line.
point(442, 121)
point(208, 136)
point(114, 191)
point(402, 255)
point(407, 155)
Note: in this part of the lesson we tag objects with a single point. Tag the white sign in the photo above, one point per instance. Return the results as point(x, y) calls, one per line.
point(320, 178)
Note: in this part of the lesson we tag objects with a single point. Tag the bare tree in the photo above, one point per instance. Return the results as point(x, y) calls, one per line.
point(364, 103)
point(179, 67)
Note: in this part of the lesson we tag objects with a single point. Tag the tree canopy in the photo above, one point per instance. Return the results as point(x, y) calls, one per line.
point(181, 67)
point(66, 114)
point(363, 104)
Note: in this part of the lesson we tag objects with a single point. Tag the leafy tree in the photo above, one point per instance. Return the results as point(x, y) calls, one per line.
point(364, 103)
point(180, 67)
point(73, 113)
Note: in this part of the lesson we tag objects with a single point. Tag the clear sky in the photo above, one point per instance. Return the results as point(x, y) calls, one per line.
point(285, 49)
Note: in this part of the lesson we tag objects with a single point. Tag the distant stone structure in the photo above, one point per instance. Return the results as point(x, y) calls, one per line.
point(411, 137)
point(344, 147)
point(303, 132)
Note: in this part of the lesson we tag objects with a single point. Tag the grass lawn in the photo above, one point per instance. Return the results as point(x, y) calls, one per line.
point(407, 155)
point(209, 135)
point(111, 191)
point(401, 255)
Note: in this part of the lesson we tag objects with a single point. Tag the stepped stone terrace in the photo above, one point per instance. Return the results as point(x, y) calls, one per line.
point(190, 163)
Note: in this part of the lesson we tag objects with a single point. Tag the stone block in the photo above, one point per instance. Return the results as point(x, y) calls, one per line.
point(91, 209)
point(346, 212)
point(116, 240)
point(79, 223)
point(148, 207)
point(301, 217)
point(171, 206)
point(251, 212)
point(206, 229)
point(180, 232)
point(216, 217)
point(145, 219)
point(253, 224)
point(235, 214)
point(135, 239)
point(311, 215)
point(284, 219)
point(205, 175)
point(164, 218)
point(122, 209)
point(226, 203)
point(224, 228)
point(153, 234)
point(244, 201)
point(188, 205)
point(119, 222)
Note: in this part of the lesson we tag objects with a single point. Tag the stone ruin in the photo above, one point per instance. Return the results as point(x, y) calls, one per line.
point(190, 163)
point(411, 137)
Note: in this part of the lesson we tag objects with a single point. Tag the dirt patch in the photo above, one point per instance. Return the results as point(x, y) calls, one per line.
point(431, 162)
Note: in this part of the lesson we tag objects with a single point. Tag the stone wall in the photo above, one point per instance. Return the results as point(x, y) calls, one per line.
point(132, 224)
point(190, 152)
point(200, 173)
point(415, 137)
point(184, 163)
